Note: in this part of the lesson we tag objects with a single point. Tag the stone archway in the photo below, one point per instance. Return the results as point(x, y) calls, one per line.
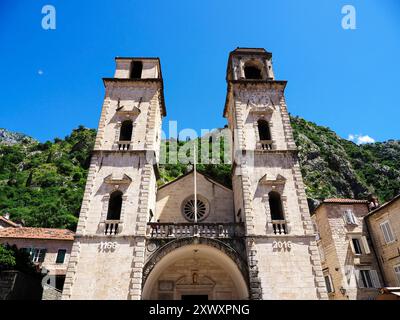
point(194, 268)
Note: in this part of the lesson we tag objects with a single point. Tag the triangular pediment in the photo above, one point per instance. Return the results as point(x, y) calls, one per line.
point(191, 173)
point(262, 110)
point(267, 179)
point(118, 179)
point(128, 110)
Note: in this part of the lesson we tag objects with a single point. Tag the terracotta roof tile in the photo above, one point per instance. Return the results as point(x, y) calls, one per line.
point(340, 200)
point(37, 233)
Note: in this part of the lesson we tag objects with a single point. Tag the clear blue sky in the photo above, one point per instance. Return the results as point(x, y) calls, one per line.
point(347, 80)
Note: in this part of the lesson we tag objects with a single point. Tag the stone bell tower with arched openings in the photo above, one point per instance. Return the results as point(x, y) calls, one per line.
point(269, 196)
point(108, 253)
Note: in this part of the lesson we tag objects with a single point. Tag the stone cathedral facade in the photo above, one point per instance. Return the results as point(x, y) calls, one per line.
point(138, 241)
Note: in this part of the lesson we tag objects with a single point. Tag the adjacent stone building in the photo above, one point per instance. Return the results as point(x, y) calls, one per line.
point(137, 241)
point(384, 227)
point(49, 248)
point(348, 259)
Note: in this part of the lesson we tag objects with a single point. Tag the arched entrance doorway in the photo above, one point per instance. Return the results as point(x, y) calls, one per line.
point(195, 271)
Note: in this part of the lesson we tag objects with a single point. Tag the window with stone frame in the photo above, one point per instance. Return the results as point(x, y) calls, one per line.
point(264, 131)
point(359, 244)
point(61, 255)
point(114, 206)
point(252, 73)
point(126, 129)
point(367, 278)
point(328, 283)
point(136, 69)
point(253, 70)
point(275, 206)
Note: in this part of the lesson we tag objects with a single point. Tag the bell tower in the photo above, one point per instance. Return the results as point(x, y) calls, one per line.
point(269, 194)
point(108, 253)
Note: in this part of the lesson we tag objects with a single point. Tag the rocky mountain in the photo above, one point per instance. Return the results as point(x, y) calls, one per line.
point(43, 183)
point(11, 138)
point(336, 167)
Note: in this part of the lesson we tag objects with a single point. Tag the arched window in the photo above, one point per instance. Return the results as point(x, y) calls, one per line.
point(126, 131)
point(252, 72)
point(263, 130)
point(275, 206)
point(114, 206)
point(136, 72)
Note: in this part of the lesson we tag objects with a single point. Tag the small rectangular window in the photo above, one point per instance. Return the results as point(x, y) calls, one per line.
point(357, 246)
point(387, 232)
point(61, 255)
point(37, 255)
point(365, 278)
point(328, 283)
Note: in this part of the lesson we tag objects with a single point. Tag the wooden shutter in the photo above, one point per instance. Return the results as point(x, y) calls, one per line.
point(387, 231)
point(375, 279)
point(360, 282)
point(346, 217)
point(365, 245)
point(352, 217)
point(383, 229)
point(352, 246)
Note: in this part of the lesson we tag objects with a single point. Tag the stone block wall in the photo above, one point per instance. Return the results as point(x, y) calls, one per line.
point(340, 262)
point(388, 254)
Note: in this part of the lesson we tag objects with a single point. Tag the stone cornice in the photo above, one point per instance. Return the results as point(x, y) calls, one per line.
point(147, 81)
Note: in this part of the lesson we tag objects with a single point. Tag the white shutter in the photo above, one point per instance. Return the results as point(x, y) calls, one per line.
point(365, 245)
point(383, 229)
point(348, 269)
point(347, 217)
point(387, 232)
point(352, 246)
point(352, 217)
point(357, 274)
point(375, 279)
